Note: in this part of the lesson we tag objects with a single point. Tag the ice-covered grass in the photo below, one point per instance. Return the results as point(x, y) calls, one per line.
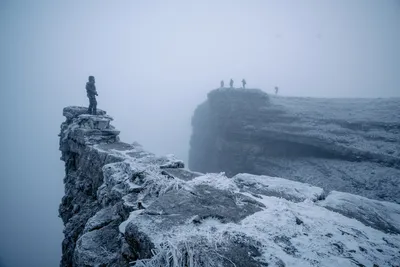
point(299, 234)
point(323, 238)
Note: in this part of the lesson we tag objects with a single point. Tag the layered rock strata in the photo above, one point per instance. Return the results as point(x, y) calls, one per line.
point(349, 145)
point(124, 206)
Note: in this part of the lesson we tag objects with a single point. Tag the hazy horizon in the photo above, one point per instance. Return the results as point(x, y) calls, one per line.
point(154, 62)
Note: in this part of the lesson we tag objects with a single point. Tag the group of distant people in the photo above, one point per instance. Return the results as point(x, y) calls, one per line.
point(244, 85)
point(231, 83)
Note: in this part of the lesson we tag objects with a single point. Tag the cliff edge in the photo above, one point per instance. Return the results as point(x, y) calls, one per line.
point(124, 206)
point(349, 145)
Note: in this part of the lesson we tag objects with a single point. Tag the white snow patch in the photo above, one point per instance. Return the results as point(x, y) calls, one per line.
point(280, 186)
point(216, 180)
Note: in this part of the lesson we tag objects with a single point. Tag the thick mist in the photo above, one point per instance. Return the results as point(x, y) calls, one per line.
point(154, 62)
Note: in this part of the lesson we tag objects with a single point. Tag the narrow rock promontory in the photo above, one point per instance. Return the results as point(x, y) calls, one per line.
point(124, 206)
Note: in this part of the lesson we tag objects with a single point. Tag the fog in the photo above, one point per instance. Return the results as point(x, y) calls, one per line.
point(154, 62)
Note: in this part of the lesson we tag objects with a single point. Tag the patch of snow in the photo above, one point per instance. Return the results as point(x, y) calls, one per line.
point(378, 214)
point(278, 187)
point(216, 180)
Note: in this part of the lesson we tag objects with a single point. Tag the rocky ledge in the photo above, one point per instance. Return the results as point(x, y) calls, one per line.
point(349, 145)
point(124, 206)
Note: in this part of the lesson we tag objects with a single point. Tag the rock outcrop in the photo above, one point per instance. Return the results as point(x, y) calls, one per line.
point(124, 206)
point(349, 145)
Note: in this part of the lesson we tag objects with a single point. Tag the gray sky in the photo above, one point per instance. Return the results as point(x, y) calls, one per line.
point(154, 62)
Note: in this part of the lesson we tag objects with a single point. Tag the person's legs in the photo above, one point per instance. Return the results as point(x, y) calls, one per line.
point(94, 109)
point(90, 106)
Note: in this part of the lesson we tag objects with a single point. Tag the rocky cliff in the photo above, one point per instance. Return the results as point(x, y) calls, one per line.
point(124, 206)
point(350, 145)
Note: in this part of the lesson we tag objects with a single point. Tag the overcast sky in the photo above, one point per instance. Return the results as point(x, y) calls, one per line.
point(154, 62)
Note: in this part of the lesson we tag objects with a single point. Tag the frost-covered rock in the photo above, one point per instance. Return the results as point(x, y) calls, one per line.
point(278, 187)
point(85, 129)
point(102, 218)
point(279, 232)
point(349, 145)
point(100, 247)
point(122, 208)
point(382, 215)
point(172, 163)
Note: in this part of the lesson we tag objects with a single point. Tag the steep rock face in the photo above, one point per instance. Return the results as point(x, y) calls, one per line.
point(83, 171)
point(124, 206)
point(338, 144)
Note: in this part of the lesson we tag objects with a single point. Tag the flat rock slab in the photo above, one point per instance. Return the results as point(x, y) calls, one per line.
point(181, 206)
point(120, 146)
point(98, 248)
point(102, 218)
point(74, 111)
point(381, 215)
point(278, 187)
point(180, 173)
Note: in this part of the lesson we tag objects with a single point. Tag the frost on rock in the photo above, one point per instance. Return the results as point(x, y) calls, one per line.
point(122, 208)
point(274, 186)
point(172, 163)
point(381, 215)
point(87, 129)
point(74, 111)
point(206, 226)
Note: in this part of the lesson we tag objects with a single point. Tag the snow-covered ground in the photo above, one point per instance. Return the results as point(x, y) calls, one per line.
point(188, 222)
point(284, 232)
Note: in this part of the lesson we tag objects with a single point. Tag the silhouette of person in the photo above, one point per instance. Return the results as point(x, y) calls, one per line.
point(91, 94)
point(222, 84)
point(276, 90)
point(244, 83)
point(231, 83)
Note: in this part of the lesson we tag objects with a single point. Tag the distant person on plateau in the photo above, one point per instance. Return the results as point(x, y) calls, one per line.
point(91, 94)
point(276, 90)
point(231, 83)
point(222, 84)
point(244, 83)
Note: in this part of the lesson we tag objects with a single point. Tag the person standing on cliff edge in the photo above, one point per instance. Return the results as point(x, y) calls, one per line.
point(91, 94)
point(244, 83)
point(231, 83)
